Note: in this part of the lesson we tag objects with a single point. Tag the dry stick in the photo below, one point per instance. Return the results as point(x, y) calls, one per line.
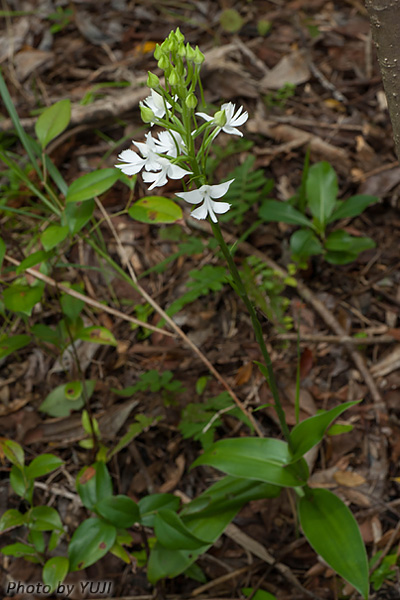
point(173, 325)
point(318, 306)
point(86, 299)
point(336, 339)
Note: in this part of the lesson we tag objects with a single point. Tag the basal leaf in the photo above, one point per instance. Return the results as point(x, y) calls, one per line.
point(53, 121)
point(273, 210)
point(155, 209)
point(322, 190)
point(352, 206)
point(91, 185)
point(90, 542)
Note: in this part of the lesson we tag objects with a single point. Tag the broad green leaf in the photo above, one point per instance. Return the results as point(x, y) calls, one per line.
point(322, 190)
point(261, 459)
point(53, 235)
point(155, 209)
point(22, 298)
point(90, 542)
point(340, 258)
point(44, 518)
point(55, 571)
point(30, 261)
point(120, 552)
point(53, 121)
point(258, 595)
point(42, 465)
point(121, 511)
point(273, 210)
point(339, 429)
point(310, 432)
point(72, 307)
point(60, 402)
point(352, 206)
point(91, 185)
point(94, 484)
point(18, 550)
point(10, 344)
point(341, 241)
point(172, 533)
point(304, 243)
point(77, 215)
point(19, 483)
point(149, 505)
point(100, 335)
point(13, 451)
point(12, 518)
point(332, 531)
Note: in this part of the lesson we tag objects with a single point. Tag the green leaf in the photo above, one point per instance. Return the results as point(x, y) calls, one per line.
point(44, 518)
point(339, 429)
point(121, 511)
point(352, 206)
point(13, 451)
point(22, 298)
point(53, 235)
point(10, 344)
point(322, 190)
point(33, 259)
point(155, 209)
point(73, 390)
point(91, 185)
point(258, 595)
point(94, 484)
point(172, 533)
point(99, 335)
point(310, 432)
point(341, 241)
point(55, 571)
point(273, 210)
point(19, 550)
point(90, 542)
point(231, 20)
point(12, 518)
point(149, 505)
point(60, 402)
point(20, 484)
point(77, 215)
point(303, 243)
point(261, 459)
point(42, 465)
point(2, 251)
point(53, 121)
point(333, 532)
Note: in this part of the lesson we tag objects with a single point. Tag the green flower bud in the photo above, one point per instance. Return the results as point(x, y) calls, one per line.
point(180, 38)
point(147, 114)
point(220, 118)
point(152, 81)
point(181, 50)
point(199, 56)
point(191, 101)
point(173, 78)
point(190, 53)
point(158, 52)
point(164, 63)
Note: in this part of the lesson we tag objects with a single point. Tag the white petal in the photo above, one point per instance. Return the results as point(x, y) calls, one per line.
point(204, 116)
point(200, 212)
point(176, 172)
point(159, 179)
point(238, 121)
point(129, 169)
point(193, 197)
point(221, 207)
point(217, 191)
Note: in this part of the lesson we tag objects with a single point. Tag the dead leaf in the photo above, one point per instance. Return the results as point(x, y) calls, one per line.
point(348, 478)
point(292, 68)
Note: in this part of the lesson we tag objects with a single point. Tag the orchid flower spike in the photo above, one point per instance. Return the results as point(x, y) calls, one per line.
point(233, 120)
point(205, 194)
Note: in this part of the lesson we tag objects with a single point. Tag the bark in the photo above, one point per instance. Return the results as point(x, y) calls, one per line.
point(385, 24)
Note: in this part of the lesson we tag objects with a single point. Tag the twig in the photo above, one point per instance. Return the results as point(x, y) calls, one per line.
point(108, 309)
point(336, 339)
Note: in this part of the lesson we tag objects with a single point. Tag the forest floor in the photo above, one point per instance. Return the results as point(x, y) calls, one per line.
point(306, 72)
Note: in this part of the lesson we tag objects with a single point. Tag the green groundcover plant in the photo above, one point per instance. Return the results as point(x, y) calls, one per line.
point(176, 146)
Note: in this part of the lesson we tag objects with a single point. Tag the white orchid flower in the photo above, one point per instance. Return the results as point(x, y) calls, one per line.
point(206, 194)
point(168, 169)
point(156, 103)
point(135, 163)
point(233, 120)
point(170, 143)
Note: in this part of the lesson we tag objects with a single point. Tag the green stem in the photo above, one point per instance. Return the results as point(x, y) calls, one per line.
point(241, 290)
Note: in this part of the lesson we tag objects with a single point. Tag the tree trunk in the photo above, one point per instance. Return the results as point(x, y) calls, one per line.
point(385, 24)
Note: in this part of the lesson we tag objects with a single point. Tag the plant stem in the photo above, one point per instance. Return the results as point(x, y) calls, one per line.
point(241, 290)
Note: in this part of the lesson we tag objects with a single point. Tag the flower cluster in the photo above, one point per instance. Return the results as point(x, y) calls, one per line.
point(172, 154)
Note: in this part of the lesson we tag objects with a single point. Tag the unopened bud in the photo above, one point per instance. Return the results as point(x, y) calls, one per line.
point(152, 81)
point(180, 38)
point(191, 101)
point(190, 53)
point(181, 50)
point(158, 52)
point(173, 78)
point(199, 56)
point(164, 63)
